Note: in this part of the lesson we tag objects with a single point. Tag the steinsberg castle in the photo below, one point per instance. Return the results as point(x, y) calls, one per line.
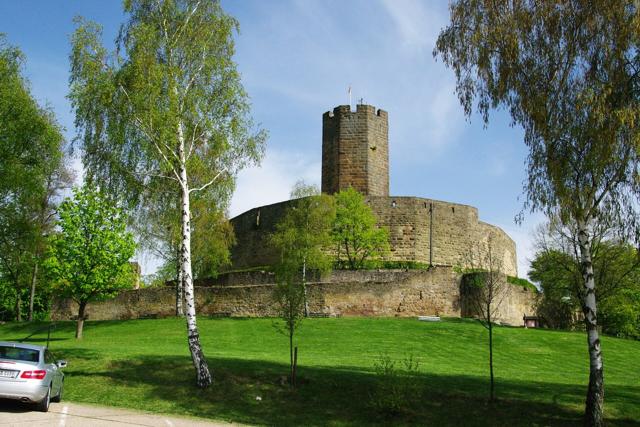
point(355, 153)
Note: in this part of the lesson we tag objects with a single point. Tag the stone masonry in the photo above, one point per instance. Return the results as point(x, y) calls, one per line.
point(390, 293)
point(355, 150)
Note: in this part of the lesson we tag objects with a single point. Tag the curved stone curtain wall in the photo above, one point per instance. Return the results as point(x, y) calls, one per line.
point(421, 230)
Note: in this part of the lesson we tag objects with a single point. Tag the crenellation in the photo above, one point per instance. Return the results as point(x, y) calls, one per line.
point(355, 150)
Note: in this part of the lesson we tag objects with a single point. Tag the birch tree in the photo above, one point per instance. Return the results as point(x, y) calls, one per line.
point(166, 106)
point(303, 235)
point(568, 72)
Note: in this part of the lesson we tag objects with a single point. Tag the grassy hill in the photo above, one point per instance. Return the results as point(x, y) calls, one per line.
point(541, 375)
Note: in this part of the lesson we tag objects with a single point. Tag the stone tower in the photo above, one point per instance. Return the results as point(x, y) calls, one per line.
point(355, 150)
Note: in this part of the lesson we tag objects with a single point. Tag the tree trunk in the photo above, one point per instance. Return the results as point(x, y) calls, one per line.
point(179, 289)
point(291, 371)
point(80, 324)
point(295, 366)
point(18, 304)
point(203, 376)
point(492, 392)
point(32, 293)
point(593, 415)
point(304, 287)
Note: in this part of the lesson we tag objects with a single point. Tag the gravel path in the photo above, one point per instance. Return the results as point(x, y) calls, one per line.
point(13, 414)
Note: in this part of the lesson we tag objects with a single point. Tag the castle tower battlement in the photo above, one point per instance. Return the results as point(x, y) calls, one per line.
point(355, 150)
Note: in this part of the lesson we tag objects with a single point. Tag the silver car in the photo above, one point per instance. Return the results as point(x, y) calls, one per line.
point(29, 373)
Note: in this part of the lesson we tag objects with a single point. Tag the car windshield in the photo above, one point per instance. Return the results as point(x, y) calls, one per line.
point(17, 353)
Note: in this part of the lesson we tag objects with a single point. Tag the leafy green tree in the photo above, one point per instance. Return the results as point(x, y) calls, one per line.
point(31, 176)
point(568, 73)
point(355, 233)
point(616, 266)
point(89, 258)
point(301, 237)
point(290, 301)
point(165, 110)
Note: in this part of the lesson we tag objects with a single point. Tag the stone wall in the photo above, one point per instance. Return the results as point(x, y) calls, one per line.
point(413, 237)
point(342, 293)
point(252, 230)
point(355, 150)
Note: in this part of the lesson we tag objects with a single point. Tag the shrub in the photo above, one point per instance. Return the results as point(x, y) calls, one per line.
point(396, 388)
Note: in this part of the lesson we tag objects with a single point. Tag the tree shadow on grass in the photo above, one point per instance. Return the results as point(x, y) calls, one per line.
point(254, 392)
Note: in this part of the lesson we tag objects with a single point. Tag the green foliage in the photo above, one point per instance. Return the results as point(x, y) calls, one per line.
point(567, 72)
point(373, 264)
point(89, 258)
point(617, 269)
point(474, 279)
point(397, 389)
point(31, 169)
point(355, 234)
point(559, 277)
point(170, 82)
point(620, 313)
point(166, 112)
point(303, 234)
point(289, 298)
point(301, 237)
point(519, 281)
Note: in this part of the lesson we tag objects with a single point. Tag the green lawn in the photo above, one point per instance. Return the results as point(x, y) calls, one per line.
point(541, 375)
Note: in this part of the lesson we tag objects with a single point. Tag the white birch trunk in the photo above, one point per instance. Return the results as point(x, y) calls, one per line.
point(199, 362)
point(179, 289)
point(595, 394)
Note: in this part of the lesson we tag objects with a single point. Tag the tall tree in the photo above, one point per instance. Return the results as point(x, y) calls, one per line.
point(304, 233)
point(31, 175)
point(212, 235)
point(170, 108)
point(89, 258)
point(569, 73)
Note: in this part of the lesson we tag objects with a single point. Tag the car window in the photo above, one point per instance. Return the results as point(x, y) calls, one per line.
point(17, 353)
point(48, 357)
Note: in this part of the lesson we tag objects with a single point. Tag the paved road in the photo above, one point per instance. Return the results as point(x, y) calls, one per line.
point(75, 415)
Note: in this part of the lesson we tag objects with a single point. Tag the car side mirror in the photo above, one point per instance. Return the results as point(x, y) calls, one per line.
point(61, 363)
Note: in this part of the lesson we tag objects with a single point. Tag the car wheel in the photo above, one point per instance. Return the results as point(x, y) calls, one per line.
point(43, 405)
point(58, 398)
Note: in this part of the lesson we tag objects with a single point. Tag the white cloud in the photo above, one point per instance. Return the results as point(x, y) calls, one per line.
point(272, 181)
point(414, 22)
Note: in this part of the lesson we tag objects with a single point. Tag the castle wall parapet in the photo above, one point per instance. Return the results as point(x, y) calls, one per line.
point(422, 230)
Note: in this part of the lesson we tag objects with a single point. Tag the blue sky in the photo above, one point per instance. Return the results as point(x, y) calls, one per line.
point(297, 59)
